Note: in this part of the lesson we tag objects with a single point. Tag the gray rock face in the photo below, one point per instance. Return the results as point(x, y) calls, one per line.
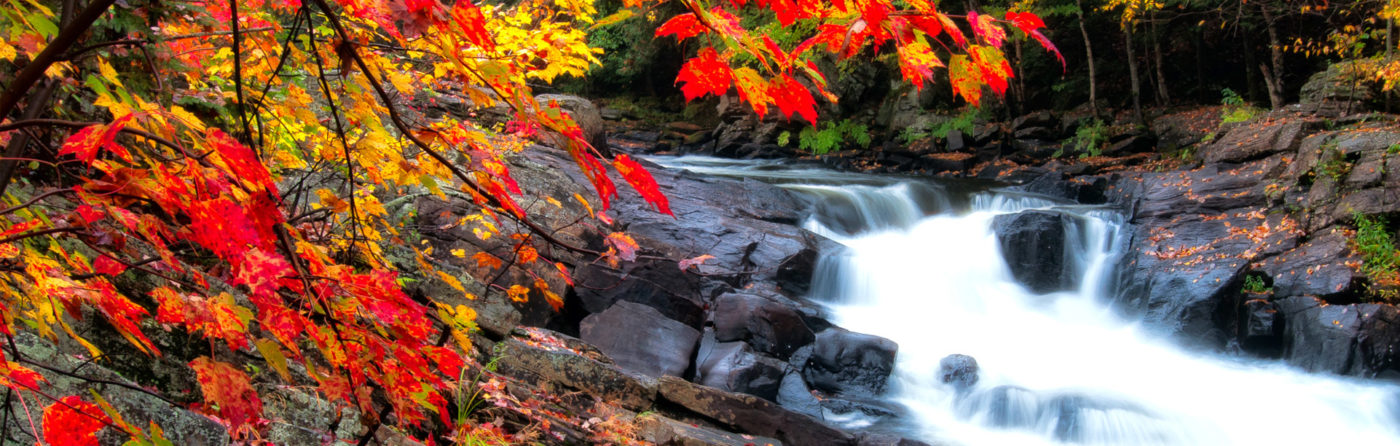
point(1258, 139)
point(1341, 86)
point(751, 414)
point(1033, 244)
point(1357, 339)
point(767, 325)
point(848, 363)
point(640, 338)
point(567, 370)
point(1317, 267)
point(734, 367)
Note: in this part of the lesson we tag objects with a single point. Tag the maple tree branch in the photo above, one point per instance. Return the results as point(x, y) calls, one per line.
point(407, 133)
point(39, 122)
point(34, 70)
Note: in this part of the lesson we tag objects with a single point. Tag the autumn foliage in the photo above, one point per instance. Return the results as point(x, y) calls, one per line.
point(180, 151)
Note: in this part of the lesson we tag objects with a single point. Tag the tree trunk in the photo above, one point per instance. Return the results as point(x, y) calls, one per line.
point(1251, 72)
point(1133, 78)
point(1202, 92)
point(1273, 77)
point(1389, 54)
point(1089, 57)
point(1163, 96)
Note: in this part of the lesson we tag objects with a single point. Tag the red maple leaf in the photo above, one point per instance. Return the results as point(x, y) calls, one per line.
point(986, 28)
point(792, 97)
point(70, 421)
point(472, 24)
point(227, 387)
point(705, 73)
point(684, 26)
point(1031, 24)
point(642, 181)
point(85, 144)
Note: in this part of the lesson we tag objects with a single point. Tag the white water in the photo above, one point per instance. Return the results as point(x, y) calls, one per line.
point(937, 285)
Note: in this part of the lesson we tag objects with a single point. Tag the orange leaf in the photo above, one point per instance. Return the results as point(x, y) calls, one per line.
point(626, 247)
point(228, 388)
point(916, 63)
point(966, 80)
point(705, 73)
point(642, 181)
point(70, 421)
point(84, 144)
point(693, 261)
point(485, 260)
point(986, 28)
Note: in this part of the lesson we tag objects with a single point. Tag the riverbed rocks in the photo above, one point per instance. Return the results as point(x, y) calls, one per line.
point(959, 371)
point(640, 338)
point(1033, 244)
point(849, 363)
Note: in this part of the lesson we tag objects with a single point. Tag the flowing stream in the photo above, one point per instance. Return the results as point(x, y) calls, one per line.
point(922, 267)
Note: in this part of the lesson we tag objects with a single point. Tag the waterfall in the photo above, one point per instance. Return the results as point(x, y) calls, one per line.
point(1058, 368)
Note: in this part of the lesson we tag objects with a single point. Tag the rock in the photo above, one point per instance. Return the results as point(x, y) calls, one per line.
point(1345, 339)
point(1342, 86)
point(766, 324)
point(795, 273)
point(845, 362)
point(794, 395)
point(1317, 267)
point(876, 439)
point(640, 338)
point(1035, 133)
point(585, 114)
point(610, 113)
point(659, 430)
point(1033, 244)
point(654, 284)
point(1131, 144)
point(734, 367)
point(1260, 328)
point(958, 370)
point(956, 141)
point(561, 369)
point(1041, 118)
point(303, 418)
point(1258, 139)
point(181, 426)
point(684, 127)
point(750, 414)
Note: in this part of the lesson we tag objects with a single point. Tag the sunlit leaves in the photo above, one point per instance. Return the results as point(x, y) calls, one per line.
point(986, 29)
point(70, 421)
point(642, 181)
point(792, 97)
point(683, 26)
point(703, 74)
point(916, 63)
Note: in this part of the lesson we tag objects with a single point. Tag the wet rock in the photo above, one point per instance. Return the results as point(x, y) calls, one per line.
point(766, 324)
point(734, 367)
point(560, 369)
point(750, 414)
point(640, 338)
point(1260, 328)
point(1033, 244)
point(1131, 144)
point(960, 371)
point(794, 395)
point(1357, 339)
point(844, 362)
point(1317, 267)
point(877, 439)
point(956, 141)
point(659, 430)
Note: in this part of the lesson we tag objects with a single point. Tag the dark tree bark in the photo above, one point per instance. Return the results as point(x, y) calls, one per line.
point(1089, 58)
point(1273, 74)
point(1133, 78)
point(1163, 95)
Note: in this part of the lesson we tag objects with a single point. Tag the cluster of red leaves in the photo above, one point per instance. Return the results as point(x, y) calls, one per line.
point(846, 27)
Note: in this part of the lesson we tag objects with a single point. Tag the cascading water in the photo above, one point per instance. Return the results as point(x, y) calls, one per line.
point(1055, 368)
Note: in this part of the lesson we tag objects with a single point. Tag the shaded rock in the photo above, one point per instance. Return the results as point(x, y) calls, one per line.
point(1033, 244)
point(1041, 118)
point(956, 141)
point(877, 439)
point(794, 394)
point(958, 370)
point(750, 414)
point(766, 324)
point(655, 284)
point(844, 362)
point(1345, 339)
point(1131, 144)
point(1342, 86)
point(560, 369)
point(659, 430)
point(640, 338)
point(1260, 328)
point(733, 367)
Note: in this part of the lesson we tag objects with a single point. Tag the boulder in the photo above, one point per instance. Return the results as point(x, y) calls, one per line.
point(654, 284)
point(1357, 339)
point(794, 395)
point(640, 338)
point(553, 367)
point(1341, 87)
point(1260, 328)
point(659, 430)
point(750, 414)
point(734, 367)
point(1041, 118)
point(1033, 244)
point(848, 363)
point(585, 114)
point(960, 371)
point(766, 324)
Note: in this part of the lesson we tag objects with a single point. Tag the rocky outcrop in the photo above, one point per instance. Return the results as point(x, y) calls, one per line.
point(848, 363)
point(1033, 244)
point(641, 338)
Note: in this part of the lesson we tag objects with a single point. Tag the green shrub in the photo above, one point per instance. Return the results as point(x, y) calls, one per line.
point(1236, 109)
point(1089, 139)
point(1379, 259)
point(1255, 284)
